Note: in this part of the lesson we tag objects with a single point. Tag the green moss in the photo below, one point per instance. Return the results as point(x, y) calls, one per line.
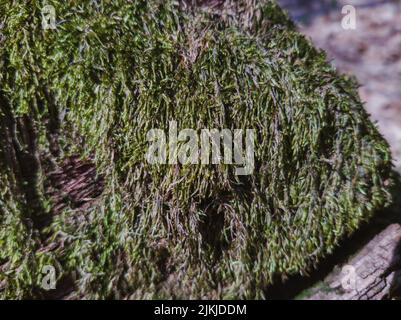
point(118, 69)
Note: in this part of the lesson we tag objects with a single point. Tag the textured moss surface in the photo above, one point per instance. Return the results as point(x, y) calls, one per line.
point(111, 71)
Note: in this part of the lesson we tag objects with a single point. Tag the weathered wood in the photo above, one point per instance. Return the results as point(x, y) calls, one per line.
point(372, 274)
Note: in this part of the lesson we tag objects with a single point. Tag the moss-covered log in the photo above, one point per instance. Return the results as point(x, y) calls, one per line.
point(113, 70)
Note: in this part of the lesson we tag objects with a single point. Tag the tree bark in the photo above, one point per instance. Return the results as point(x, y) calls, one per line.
point(374, 273)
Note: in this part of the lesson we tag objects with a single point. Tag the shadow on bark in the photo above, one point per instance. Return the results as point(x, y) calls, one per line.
point(395, 287)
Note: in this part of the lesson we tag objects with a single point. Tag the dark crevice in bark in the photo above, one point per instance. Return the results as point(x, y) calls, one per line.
point(53, 124)
point(21, 159)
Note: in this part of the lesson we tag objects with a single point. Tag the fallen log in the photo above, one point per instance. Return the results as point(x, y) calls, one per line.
point(374, 273)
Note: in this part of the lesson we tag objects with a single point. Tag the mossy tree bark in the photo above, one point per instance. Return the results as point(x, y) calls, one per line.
point(321, 167)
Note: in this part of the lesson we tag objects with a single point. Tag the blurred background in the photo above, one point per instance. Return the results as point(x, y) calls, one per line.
point(371, 52)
